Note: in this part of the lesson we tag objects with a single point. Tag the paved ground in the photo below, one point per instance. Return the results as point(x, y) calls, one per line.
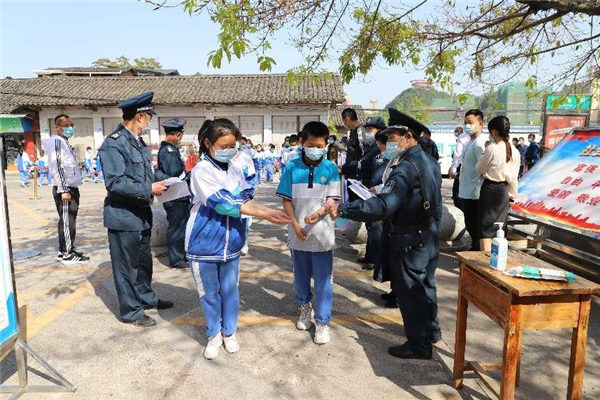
point(71, 321)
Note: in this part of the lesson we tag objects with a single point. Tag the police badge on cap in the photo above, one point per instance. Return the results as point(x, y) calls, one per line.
point(137, 104)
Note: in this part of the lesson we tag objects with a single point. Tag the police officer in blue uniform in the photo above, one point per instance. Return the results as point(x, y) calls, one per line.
point(411, 199)
point(129, 181)
point(171, 164)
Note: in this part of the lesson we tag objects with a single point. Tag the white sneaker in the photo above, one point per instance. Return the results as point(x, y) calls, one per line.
point(306, 313)
point(231, 344)
point(321, 334)
point(213, 346)
point(244, 250)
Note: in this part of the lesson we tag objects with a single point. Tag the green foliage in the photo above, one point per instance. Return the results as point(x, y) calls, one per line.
point(331, 125)
point(484, 42)
point(124, 63)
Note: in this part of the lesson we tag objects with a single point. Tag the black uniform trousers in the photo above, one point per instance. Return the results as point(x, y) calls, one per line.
point(132, 271)
point(374, 232)
point(413, 280)
point(67, 219)
point(178, 213)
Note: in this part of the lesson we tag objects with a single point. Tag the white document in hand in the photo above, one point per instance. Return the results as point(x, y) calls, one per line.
point(170, 181)
point(361, 190)
point(176, 190)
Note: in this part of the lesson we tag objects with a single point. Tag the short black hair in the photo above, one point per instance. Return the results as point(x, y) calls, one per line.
point(293, 138)
point(531, 135)
point(214, 129)
point(316, 129)
point(476, 112)
point(302, 135)
point(381, 137)
point(333, 137)
point(59, 117)
point(88, 148)
point(350, 113)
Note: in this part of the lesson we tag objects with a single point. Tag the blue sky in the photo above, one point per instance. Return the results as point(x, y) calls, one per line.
point(40, 34)
point(73, 33)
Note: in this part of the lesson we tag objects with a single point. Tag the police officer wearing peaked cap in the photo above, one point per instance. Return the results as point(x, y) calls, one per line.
point(411, 199)
point(129, 179)
point(171, 164)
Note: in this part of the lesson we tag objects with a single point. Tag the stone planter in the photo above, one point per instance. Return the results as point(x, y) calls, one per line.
point(159, 226)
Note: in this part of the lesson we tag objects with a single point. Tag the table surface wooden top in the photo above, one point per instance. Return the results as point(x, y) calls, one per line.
point(480, 262)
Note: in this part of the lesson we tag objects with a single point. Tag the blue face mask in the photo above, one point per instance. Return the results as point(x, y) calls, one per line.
point(331, 141)
point(300, 147)
point(69, 131)
point(314, 153)
point(225, 155)
point(392, 151)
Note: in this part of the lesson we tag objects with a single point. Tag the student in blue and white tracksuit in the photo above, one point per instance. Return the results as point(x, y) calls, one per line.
point(270, 157)
point(216, 231)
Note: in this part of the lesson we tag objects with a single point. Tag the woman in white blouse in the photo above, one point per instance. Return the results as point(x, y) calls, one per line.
point(499, 167)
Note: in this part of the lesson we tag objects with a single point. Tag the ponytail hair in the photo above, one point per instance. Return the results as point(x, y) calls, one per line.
point(214, 129)
point(501, 125)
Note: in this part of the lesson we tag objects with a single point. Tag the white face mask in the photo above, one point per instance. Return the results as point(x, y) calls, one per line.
point(469, 129)
point(492, 140)
point(530, 140)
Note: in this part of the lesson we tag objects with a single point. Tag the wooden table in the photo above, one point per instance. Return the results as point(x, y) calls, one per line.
point(518, 304)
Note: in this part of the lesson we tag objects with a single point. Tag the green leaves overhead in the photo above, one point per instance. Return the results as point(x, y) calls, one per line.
point(486, 41)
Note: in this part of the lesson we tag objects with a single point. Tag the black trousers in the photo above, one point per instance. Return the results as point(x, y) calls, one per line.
point(458, 202)
point(471, 212)
point(178, 213)
point(413, 280)
point(132, 271)
point(374, 232)
point(67, 219)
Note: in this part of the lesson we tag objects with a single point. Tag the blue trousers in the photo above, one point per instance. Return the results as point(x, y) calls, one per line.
point(48, 178)
point(24, 177)
point(132, 270)
point(177, 216)
point(87, 169)
point(270, 172)
point(317, 265)
point(258, 175)
point(217, 284)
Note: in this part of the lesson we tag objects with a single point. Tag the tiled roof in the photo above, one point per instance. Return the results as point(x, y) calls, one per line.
point(336, 114)
point(269, 89)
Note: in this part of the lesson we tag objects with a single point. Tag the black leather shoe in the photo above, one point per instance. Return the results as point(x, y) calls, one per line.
point(404, 351)
point(436, 337)
point(388, 296)
point(368, 267)
point(161, 305)
point(362, 260)
point(144, 321)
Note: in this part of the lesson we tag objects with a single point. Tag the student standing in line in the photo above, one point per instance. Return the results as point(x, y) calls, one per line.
point(216, 231)
point(306, 183)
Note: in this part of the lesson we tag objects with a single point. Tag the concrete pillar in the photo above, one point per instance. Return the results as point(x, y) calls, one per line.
point(267, 128)
point(44, 127)
point(98, 132)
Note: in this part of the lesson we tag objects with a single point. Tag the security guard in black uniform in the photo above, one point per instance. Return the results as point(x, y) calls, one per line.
point(171, 164)
point(411, 198)
point(129, 179)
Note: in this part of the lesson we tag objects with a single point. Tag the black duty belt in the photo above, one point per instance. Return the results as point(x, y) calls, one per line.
point(403, 230)
point(127, 201)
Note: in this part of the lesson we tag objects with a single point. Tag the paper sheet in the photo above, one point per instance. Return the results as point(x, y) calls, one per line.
point(176, 190)
point(361, 190)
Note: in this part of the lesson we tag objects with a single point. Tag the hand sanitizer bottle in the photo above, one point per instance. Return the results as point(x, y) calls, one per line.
point(499, 250)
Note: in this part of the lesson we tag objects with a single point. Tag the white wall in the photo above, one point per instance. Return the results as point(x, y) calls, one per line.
point(108, 116)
